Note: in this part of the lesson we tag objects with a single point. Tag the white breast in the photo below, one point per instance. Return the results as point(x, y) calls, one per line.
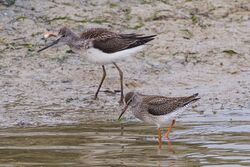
point(98, 57)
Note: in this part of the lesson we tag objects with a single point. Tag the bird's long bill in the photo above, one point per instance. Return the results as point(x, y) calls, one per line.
point(123, 111)
point(46, 47)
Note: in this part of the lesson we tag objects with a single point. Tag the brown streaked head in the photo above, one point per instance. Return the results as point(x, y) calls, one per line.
point(65, 36)
point(64, 31)
point(129, 96)
point(128, 99)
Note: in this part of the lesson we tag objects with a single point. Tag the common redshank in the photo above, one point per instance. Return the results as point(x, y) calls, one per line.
point(101, 46)
point(159, 110)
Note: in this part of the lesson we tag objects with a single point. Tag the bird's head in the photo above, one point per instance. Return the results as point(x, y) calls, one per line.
point(65, 36)
point(130, 98)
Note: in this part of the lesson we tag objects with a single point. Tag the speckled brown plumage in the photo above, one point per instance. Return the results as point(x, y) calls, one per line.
point(161, 105)
point(158, 110)
point(111, 42)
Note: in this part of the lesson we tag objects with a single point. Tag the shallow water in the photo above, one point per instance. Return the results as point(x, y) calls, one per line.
point(203, 141)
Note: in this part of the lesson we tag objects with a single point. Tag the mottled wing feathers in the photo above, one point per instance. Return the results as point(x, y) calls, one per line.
point(98, 34)
point(110, 42)
point(159, 105)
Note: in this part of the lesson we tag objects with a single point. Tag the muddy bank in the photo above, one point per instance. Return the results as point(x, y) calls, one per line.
point(202, 46)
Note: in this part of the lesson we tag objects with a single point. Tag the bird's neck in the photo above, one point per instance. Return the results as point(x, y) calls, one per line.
point(137, 100)
point(75, 36)
point(77, 42)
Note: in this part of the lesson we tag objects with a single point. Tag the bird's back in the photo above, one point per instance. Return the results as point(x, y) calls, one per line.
point(161, 105)
point(111, 42)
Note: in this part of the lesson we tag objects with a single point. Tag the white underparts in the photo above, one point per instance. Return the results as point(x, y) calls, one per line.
point(167, 119)
point(96, 56)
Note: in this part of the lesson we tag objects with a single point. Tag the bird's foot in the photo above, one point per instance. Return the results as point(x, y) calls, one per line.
point(121, 102)
point(95, 97)
point(166, 136)
point(170, 147)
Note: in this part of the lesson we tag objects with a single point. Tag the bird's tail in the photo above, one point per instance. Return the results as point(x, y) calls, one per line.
point(139, 39)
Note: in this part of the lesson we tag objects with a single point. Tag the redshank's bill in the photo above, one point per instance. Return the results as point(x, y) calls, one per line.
point(159, 110)
point(101, 46)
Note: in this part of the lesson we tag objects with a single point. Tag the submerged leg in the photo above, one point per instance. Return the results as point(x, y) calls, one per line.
point(169, 129)
point(121, 81)
point(100, 85)
point(170, 147)
point(159, 137)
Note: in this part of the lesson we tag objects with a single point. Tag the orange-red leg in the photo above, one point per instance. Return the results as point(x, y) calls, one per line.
point(170, 147)
point(159, 137)
point(169, 129)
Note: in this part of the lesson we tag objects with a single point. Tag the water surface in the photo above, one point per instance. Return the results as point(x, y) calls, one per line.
point(203, 141)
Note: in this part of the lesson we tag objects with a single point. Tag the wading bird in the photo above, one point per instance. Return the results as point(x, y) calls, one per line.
point(101, 46)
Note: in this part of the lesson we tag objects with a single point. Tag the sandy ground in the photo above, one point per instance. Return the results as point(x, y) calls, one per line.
point(201, 46)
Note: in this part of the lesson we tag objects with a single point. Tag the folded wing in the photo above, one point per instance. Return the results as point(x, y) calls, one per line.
point(165, 105)
point(110, 42)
